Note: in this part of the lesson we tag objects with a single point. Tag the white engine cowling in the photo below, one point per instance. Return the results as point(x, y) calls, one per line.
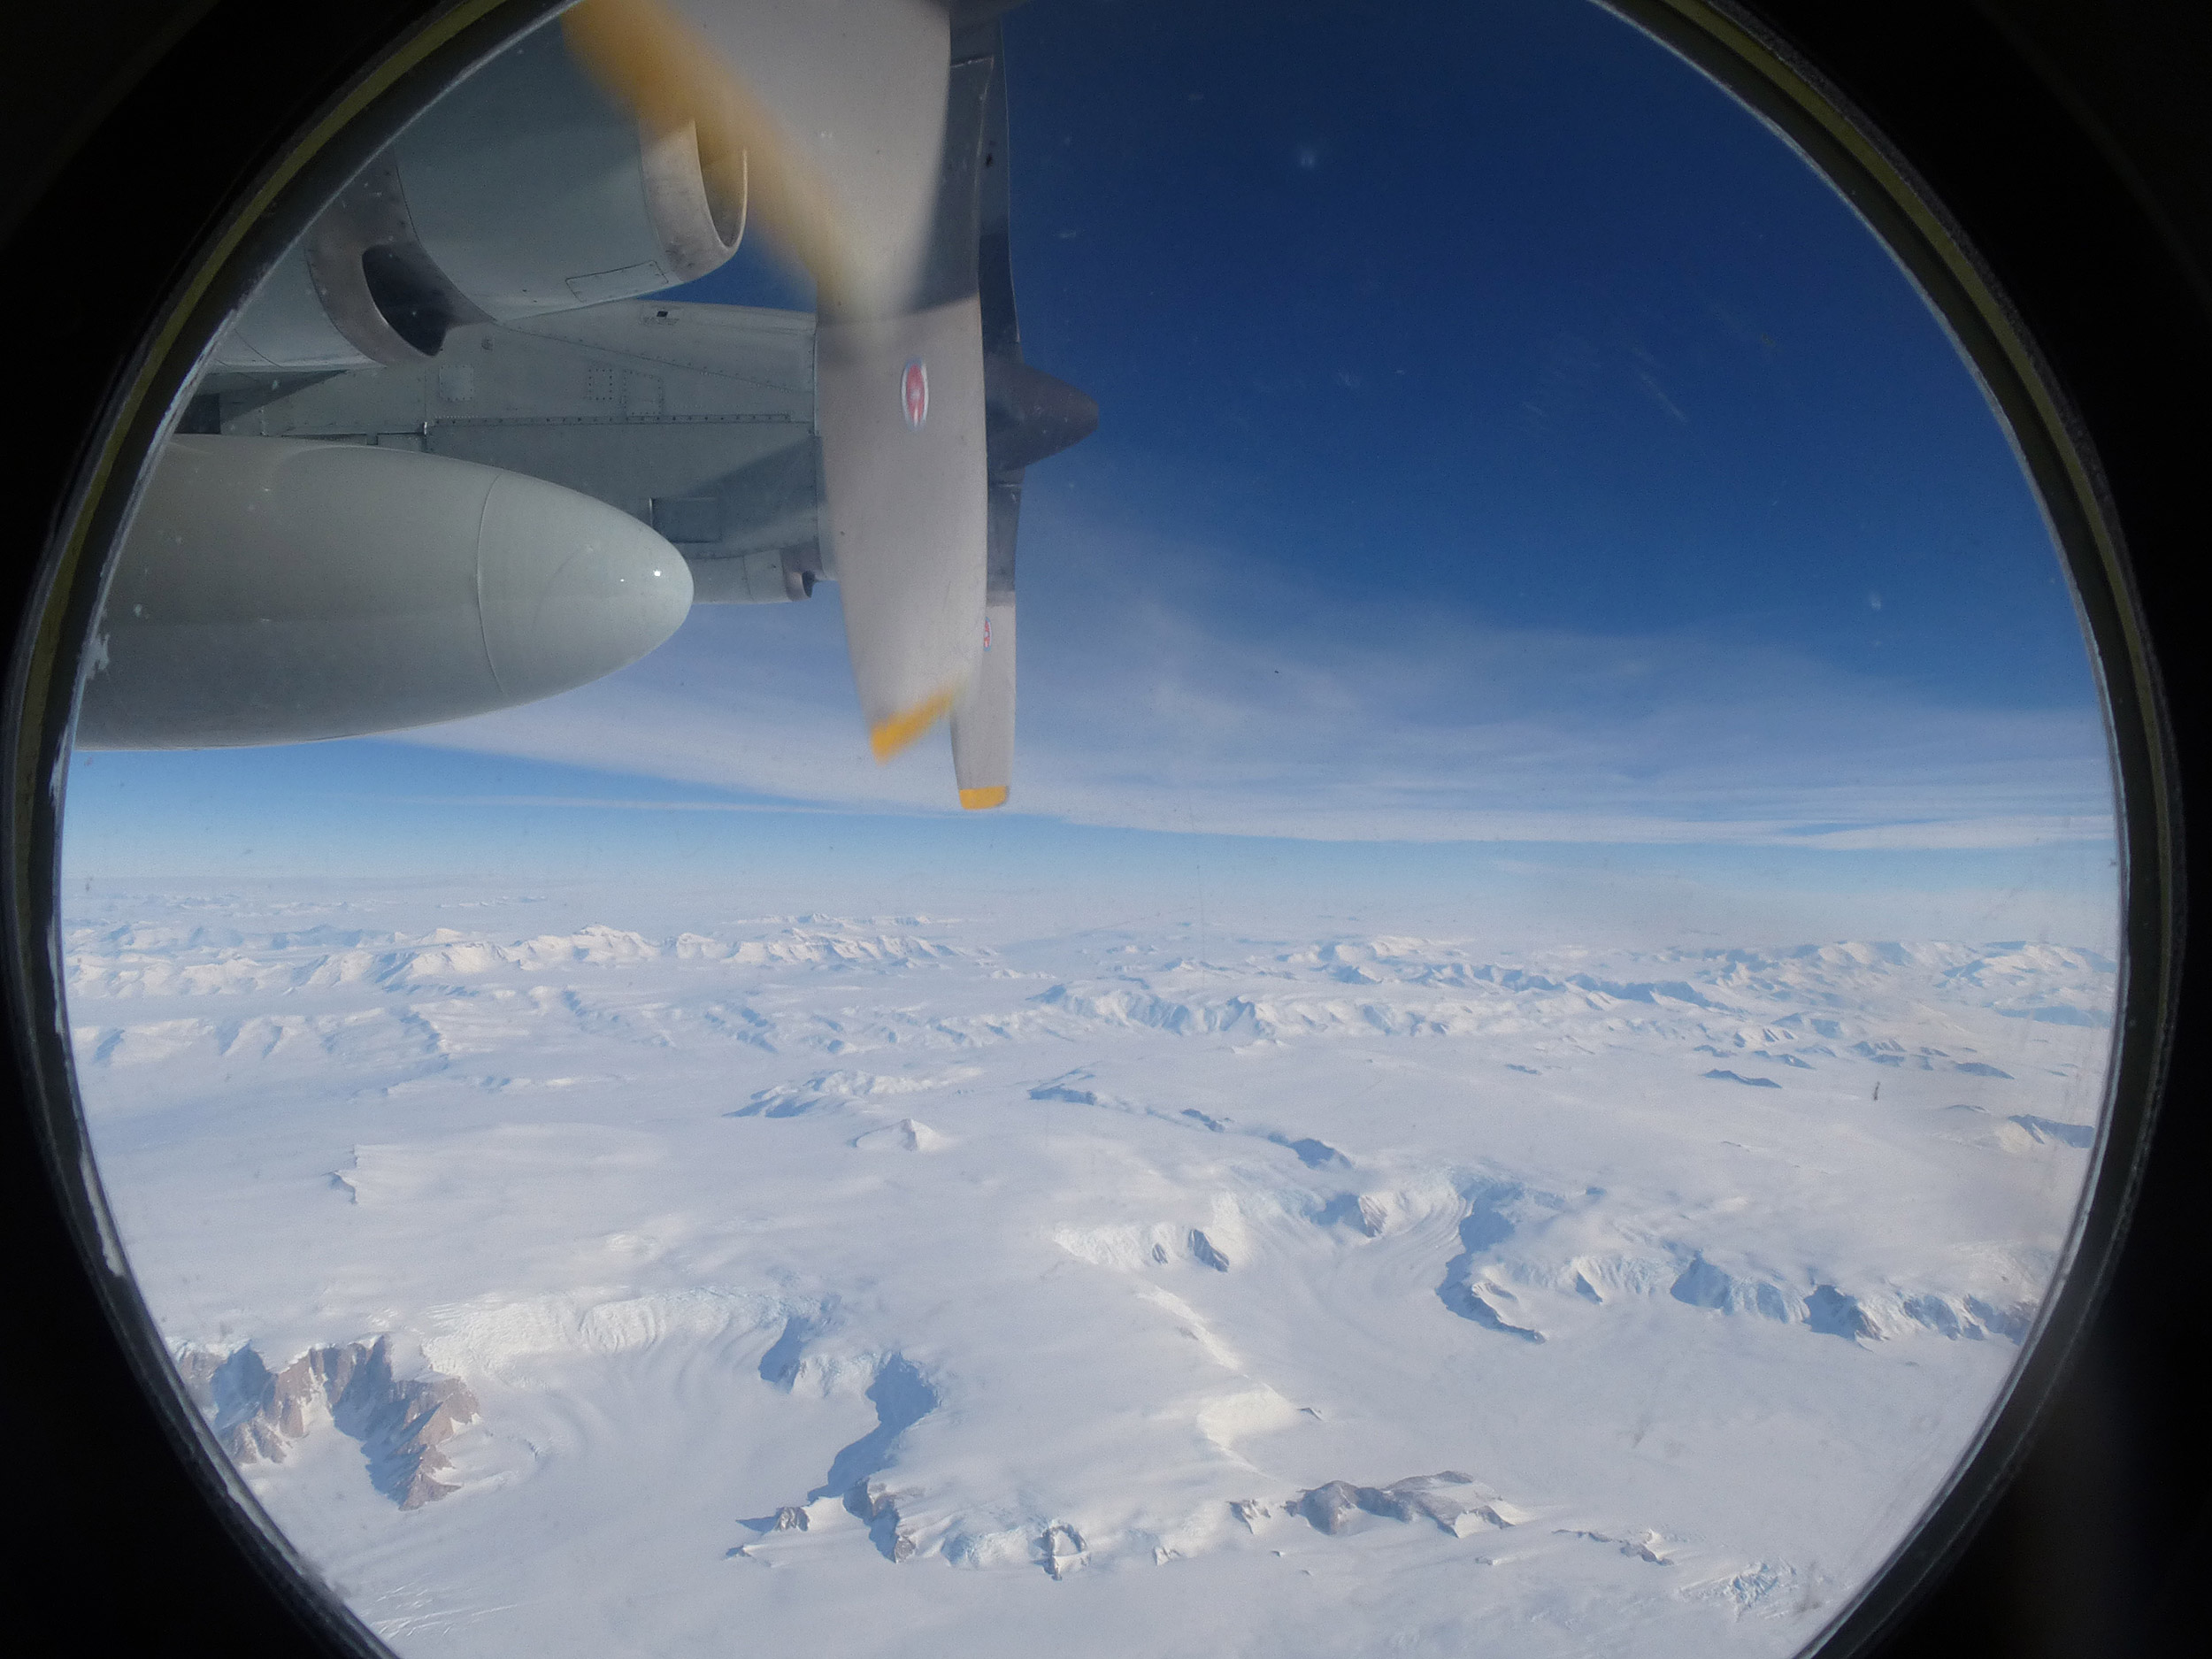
point(533, 190)
point(277, 591)
point(525, 189)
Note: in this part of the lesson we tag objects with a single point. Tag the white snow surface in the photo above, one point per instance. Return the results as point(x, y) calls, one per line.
point(875, 1285)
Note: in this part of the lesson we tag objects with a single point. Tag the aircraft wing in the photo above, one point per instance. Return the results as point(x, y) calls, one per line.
point(477, 294)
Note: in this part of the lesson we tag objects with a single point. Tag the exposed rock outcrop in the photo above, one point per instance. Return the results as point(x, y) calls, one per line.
point(1203, 1249)
point(1451, 1499)
point(258, 1413)
point(1635, 1550)
point(879, 1506)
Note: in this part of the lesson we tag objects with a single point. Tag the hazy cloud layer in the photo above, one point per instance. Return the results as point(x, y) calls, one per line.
point(1165, 689)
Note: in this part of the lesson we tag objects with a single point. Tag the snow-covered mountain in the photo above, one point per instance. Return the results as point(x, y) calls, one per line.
point(888, 1285)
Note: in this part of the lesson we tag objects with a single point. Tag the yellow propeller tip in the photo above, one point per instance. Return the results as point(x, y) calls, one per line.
point(977, 799)
point(887, 737)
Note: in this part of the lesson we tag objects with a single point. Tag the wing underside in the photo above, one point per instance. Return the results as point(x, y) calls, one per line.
point(483, 294)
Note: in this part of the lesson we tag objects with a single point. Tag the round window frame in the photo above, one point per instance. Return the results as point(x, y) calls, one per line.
point(429, 47)
point(1785, 87)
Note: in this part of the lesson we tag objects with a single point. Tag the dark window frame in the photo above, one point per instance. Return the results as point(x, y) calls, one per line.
point(2034, 167)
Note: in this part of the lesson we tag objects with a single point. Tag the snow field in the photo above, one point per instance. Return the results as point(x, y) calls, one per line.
point(886, 1286)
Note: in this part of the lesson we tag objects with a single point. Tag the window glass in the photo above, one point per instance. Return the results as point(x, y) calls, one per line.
point(1510, 1058)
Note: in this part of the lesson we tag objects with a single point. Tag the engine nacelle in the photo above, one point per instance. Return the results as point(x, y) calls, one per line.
point(275, 590)
point(526, 189)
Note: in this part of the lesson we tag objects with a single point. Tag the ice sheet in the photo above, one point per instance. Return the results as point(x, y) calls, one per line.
point(882, 1285)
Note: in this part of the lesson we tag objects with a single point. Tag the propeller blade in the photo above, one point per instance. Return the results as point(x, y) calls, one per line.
point(827, 122)
point(862, 147)
point(983, 717)
point(900, 404)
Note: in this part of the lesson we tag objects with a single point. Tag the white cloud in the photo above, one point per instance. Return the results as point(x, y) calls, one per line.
point(1165, 689)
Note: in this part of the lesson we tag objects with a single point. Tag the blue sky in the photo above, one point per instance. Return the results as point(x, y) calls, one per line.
point(1511, 454)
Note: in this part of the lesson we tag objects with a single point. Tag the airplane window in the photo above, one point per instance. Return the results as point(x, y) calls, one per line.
point(1514, 1057)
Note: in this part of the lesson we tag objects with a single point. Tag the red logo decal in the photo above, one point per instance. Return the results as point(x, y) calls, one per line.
point(914, 392)
point(987, 633)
